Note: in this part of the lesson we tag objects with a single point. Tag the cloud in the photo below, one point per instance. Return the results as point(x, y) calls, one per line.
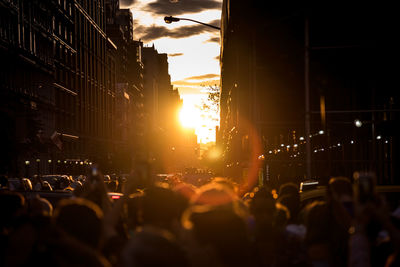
point(173, 7)
point(216, 22)
point(127, 3)
point(154, 32)
point(199, 84)
point(185, 83)
point(202, 77)
point(185, 90)
point(214, 39)
point(175, 54)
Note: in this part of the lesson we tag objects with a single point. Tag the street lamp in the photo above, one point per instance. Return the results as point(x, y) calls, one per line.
point(38, 166)
point(27, 162)
point(170, 19)
point(358, 123)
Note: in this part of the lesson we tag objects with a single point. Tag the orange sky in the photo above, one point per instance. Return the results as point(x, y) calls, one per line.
point(193, 50)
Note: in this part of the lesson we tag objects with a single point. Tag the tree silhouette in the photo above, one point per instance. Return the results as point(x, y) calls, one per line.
point(210, 106)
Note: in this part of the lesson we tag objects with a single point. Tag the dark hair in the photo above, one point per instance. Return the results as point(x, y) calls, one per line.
point(80, 218)
point(292, 203)
point(340, 186)
point(153, 247)
point(262, 202)
point(289, 189)
point(225, 230)
point(11, 204)
point(162, 205)
point(317, 223)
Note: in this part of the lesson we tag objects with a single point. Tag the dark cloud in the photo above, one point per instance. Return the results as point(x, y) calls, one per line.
point(173, 7)
point(198, 84)
point(214, 39)
point(147, 34)
point(205, 76)
point(126, 3)
point(216, 22)
point(175, 55)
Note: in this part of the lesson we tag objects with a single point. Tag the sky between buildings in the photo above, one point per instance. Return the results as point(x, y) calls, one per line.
point(193, 50)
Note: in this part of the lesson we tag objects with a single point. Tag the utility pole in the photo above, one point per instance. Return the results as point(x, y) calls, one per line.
point(307, 96)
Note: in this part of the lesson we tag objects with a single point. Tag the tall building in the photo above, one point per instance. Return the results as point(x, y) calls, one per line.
point(137, 109)
point(293, 81)
point(37, 47)
point(170, 147)
point(129, 88)
point(95, 105)
point(57, 84)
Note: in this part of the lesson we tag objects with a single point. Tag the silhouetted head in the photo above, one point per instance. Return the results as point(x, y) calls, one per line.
point(112, 186)
point(46, 186)
point(289, 189)
point(262, 205)
point(153, 247)
point(40, 207)
point(292, 203)
point(12, 206)
point(134, 210)
point(161, 206)
point(317, 223)
point(186, 190)
point(223, 229)
point(214, 194)
point(340, 188)
point(282, 216)
point(81, 219)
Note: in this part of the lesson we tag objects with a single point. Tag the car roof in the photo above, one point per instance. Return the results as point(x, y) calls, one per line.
point(320, 191)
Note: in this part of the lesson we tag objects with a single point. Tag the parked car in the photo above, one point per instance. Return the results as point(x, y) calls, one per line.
point(19, 184)
point(55, 179)
point(115, 196)
point(391, 193)
point(308, 185)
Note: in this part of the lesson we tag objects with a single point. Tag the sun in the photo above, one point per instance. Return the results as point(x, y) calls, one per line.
point(192, 116)
point(189, 116)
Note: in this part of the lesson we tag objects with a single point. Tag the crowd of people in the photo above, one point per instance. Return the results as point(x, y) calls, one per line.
point(173, 223)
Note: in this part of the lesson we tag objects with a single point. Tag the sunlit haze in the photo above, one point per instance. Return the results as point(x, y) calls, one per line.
point(193, 57)
point(191, 116)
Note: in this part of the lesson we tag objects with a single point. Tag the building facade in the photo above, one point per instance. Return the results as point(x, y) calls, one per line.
point(129, 87)
point(58, 83)
point(293, 81)
point(170, 147)
point(77, 89)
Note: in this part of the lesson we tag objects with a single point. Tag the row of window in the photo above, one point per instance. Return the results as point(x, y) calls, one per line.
point(8, 28)
point(95, 9)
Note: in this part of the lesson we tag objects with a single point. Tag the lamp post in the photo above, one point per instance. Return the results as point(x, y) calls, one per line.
point(170, 19)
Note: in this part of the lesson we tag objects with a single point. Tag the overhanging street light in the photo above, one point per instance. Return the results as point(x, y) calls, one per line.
point(170, 19)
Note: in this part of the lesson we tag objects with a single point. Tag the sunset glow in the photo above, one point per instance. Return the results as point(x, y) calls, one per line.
point(191, 116)
point(193, 55)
